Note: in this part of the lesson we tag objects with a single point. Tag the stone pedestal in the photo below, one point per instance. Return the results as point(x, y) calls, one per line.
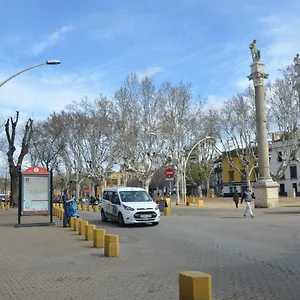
point(266, 193)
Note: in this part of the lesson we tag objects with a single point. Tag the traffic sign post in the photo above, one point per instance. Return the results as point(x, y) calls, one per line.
point(169, 173)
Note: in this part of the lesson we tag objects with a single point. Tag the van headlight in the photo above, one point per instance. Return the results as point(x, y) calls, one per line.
point(128, 207)
point(156, 207)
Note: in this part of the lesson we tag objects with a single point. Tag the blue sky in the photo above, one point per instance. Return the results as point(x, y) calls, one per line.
point(100, 42)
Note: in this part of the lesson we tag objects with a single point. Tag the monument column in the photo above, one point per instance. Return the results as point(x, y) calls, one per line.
point(265, 189)
point(297, 73)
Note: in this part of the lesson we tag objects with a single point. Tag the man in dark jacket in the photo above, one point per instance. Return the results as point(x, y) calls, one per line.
point(66, 203)
point(248, 195)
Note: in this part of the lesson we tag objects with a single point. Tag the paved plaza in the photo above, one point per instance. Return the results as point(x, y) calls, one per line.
point(248, 259)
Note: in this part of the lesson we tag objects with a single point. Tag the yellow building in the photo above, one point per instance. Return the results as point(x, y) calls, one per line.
point(233, 179)
point(114, 179)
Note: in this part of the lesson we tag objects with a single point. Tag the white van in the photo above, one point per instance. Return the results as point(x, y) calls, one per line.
point(129, 205)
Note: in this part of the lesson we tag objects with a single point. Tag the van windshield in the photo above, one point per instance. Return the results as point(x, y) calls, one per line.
point(135, 196)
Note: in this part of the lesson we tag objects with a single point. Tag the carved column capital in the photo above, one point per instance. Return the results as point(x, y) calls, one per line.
point(258, 78)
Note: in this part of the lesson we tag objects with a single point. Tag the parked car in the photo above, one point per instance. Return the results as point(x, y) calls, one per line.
point(129, 205)
point(2, 197)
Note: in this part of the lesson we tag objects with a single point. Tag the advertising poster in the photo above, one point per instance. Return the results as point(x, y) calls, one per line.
point(35, 194)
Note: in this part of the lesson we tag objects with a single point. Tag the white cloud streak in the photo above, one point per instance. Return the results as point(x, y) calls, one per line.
point(51, 39)
point(150, 72)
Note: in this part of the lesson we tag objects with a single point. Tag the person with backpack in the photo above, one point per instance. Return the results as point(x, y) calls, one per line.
point(248, 195)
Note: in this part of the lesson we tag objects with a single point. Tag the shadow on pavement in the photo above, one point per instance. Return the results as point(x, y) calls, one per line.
point(283, 212)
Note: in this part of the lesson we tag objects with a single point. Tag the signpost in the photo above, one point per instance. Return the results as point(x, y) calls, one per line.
point(35, 195)
point(169, 173)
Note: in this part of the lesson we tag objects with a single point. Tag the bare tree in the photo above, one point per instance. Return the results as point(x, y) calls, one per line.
point(15, 163)
point(201, 165)
point(139, 119)
point(237, 133)
point(181, 125)
point(47, 142)
point(284, 111)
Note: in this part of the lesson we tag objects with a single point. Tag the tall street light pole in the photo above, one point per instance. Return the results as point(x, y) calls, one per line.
point(185, 166)
point(47, 62)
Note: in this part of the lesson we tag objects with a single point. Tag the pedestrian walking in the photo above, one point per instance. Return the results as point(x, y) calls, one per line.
point(248, 195)
point(67, 203)
point(236, 198)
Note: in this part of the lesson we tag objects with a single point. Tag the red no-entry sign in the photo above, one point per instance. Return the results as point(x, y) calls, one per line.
point(169, 172)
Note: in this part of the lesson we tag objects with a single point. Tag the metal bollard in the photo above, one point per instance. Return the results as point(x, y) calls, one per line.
point(77, 224)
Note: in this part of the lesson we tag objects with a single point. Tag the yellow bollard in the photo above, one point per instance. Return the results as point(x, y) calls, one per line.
point(60, 205)
point(168, 200)
point(89, 232)
point(195, 285)
point(200, 203)
point(76, 228)
point(7, 205)
point(90, 208)
point(96, 208)
point(167, 211)
point(83, 207)
point(72, 221)
point(98, 238)
point(82, 227)
point(78, 206)
point(111, 245)
point(61, 213)
point(2, 205)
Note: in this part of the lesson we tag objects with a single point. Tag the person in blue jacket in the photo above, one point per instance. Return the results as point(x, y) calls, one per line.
point(66, 203)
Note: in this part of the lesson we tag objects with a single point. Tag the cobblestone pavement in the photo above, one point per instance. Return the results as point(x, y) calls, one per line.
point(248, 259)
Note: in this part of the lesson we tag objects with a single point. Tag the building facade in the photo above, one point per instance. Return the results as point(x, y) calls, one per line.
point(291, 176)
point(232, 179)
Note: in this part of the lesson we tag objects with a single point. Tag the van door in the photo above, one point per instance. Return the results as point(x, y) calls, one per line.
point(106, 202)
point(115, 202)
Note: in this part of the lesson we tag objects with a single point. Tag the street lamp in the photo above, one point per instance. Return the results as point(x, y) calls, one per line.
point(47, 62)
point(185, 165)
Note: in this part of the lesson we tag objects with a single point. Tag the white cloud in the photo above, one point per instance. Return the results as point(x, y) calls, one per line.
point(242, 84)
point(150, 72)
point(51, 39)
point(36, 97)
point(279, 42)
point(284, 41)
point(214, 101)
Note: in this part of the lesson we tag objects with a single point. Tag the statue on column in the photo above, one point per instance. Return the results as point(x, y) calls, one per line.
point(297, 65)
point(254, 52)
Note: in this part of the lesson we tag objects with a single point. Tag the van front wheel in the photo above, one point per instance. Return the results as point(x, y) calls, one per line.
point(121, 220)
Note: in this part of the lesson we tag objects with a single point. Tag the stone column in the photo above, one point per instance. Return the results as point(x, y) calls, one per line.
point(265, 189)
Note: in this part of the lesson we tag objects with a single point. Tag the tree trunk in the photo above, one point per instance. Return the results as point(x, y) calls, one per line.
point(207, 187)
point(14, 186)
point(248, 182)
point(92, 189)
point(77, 186)
point(178, 185)
point(147, 183)
point(200, 190)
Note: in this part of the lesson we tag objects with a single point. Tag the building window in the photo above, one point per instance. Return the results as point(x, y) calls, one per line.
point(115, 180)
point(231, 175)
point(231, 190)
point(279, 156)
point(293, 171)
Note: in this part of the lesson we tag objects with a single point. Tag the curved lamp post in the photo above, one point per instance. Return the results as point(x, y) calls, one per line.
point(47, 62)
point(185, 165)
